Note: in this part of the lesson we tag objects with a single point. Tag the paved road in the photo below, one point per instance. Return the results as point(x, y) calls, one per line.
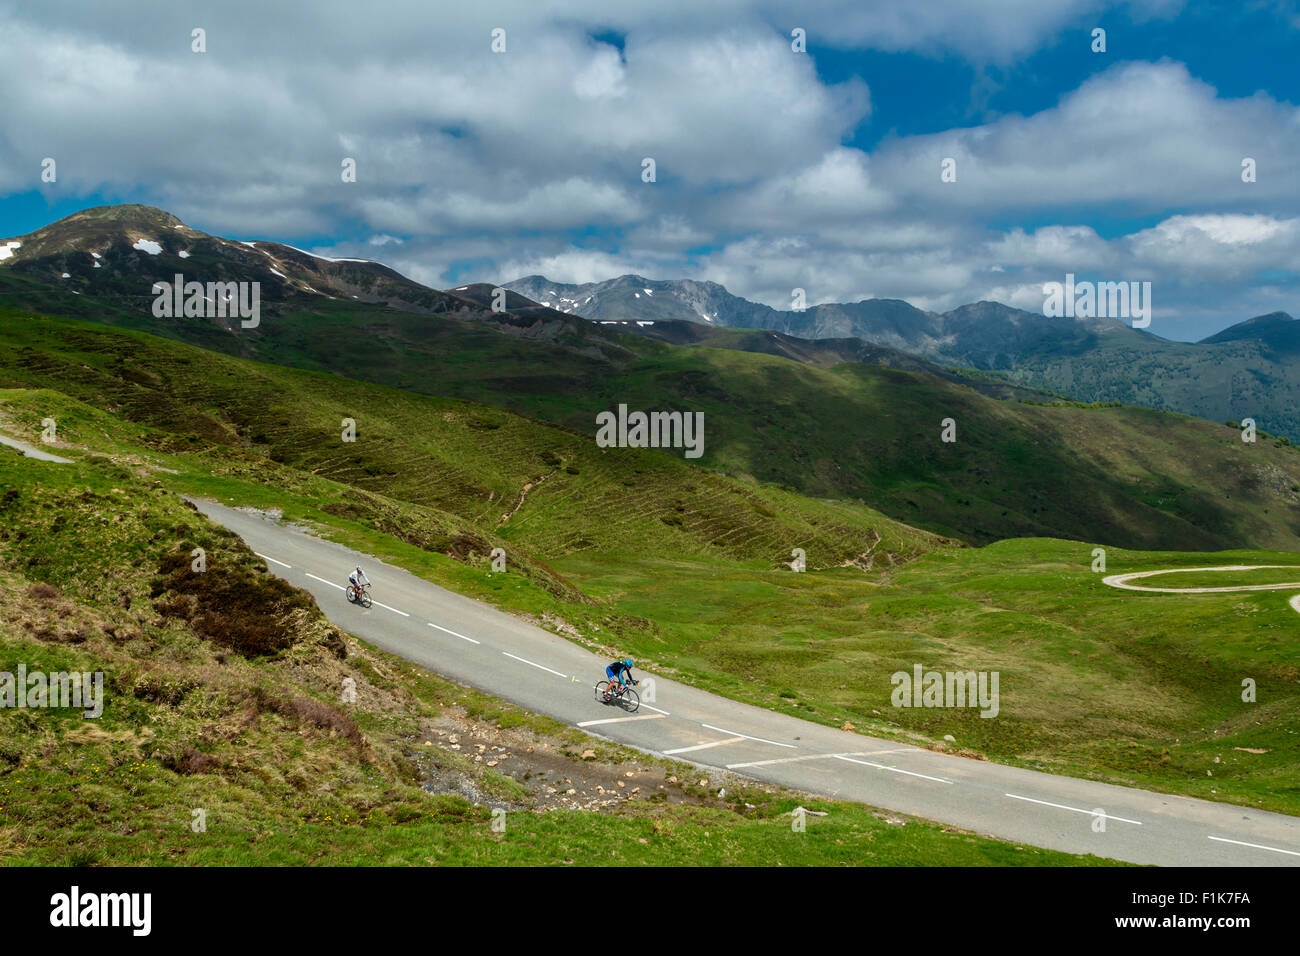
point(1122, 581)
point(541, 672)
point(32, 452)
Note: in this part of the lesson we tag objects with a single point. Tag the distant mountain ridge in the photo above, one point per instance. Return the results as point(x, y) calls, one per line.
point(112, 255)
point(983, 335)
point(1250, 370)
point(833, 418)
point(118, 251)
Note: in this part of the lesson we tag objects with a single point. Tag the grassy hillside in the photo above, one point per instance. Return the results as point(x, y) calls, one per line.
point(1138, 689)
point(1219, 380)
point(1121, 476)
point(1133, 688)
point(232, 708)
point(493, 472)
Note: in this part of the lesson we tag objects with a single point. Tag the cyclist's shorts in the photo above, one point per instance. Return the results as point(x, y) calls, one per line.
point(609, 672)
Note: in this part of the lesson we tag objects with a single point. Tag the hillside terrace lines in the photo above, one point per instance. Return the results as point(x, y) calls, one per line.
point(412, 453)
point(528, 486)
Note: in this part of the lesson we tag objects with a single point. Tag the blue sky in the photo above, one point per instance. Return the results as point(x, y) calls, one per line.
point(775, 169)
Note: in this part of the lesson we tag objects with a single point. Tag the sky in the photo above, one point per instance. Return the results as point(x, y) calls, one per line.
point(774, 168)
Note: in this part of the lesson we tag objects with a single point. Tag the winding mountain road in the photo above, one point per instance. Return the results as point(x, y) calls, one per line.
point(32, 452)
point(541, 672)
point(1122, 581)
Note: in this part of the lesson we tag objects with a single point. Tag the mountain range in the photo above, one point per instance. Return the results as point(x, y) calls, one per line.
point(1250, 370)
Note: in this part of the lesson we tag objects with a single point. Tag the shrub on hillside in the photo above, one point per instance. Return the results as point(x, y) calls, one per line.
point(229, 604)
point(42, 592)
point(308, 710)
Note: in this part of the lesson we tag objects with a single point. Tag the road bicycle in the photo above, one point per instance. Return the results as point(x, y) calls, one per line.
point(359, 595)
point(614, 692)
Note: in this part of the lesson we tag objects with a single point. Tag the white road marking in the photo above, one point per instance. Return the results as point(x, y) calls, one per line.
point(712, 743)
point(761, 740)
point(267, 557)
point(620, 720)
point(453, 633)
point(765, 763)
point(387, 608)
point(1255, 846)
point(881, 766)
point(323, 581)
point(656, 710)
point(531, 664)
point(1060, 806)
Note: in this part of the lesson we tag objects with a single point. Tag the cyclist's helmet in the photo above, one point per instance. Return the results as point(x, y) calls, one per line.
point(628, 662)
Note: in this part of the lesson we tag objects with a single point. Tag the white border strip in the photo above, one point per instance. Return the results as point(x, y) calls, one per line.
point(765, 763)
point(761, 740)
point(712, 743)
point(619, 720)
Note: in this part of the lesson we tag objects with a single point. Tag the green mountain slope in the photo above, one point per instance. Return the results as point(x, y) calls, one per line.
point(478, 473)
point(824, 419)
point(1133, 688)
point(1122, 476)
point(212, 752)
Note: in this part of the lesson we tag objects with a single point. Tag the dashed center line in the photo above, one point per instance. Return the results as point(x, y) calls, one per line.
point(453, 633)
point(881, 766)
point(761, 740)
point(323, 581)
point(1090, 813)
point(1255, 846)
point(532, 664)
point(704, 746)
point(267, 557)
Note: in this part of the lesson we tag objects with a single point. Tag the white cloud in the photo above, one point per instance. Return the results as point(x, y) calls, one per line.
point(489, 164)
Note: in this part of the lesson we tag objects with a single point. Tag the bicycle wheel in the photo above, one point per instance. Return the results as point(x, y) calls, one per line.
point(365, 598)
point(631, 700)
point(601, 687)
point(351, 594)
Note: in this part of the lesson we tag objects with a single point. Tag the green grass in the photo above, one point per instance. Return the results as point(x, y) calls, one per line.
point(1138, 689)
point(284, 773)
point(1133, 688)
point(1136, 478)
point(459, 835)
